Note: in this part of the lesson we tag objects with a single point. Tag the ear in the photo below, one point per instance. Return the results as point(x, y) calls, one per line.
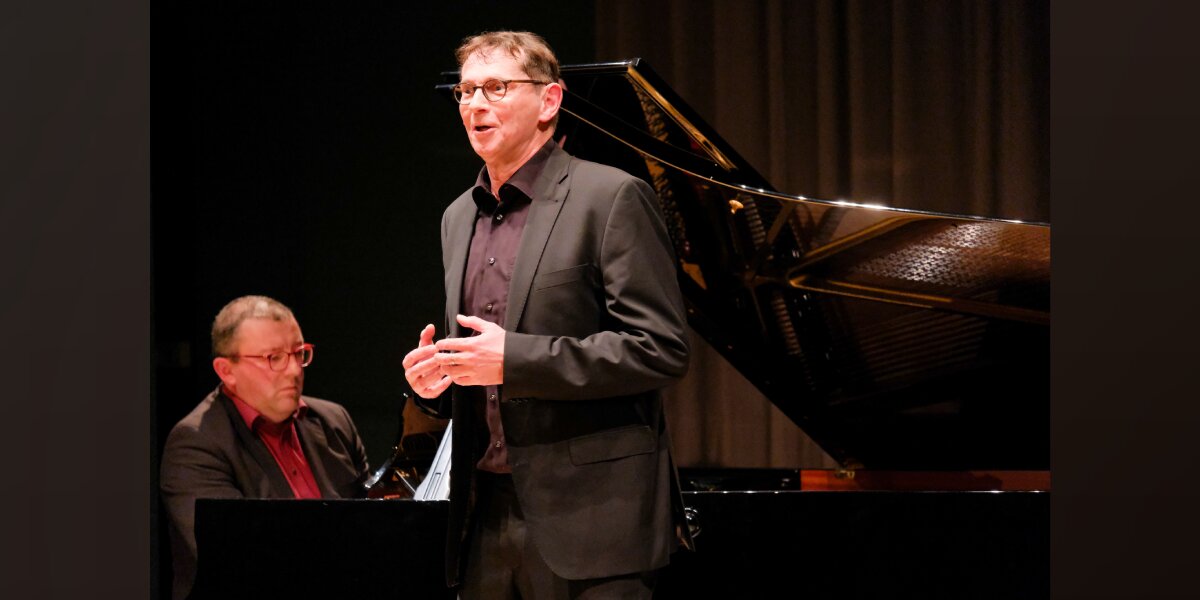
point(551, 101)
point(224, 368)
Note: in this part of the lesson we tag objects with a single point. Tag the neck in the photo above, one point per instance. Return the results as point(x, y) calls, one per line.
point(500, 171)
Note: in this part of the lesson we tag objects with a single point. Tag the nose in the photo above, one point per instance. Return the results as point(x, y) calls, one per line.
point(477, 95)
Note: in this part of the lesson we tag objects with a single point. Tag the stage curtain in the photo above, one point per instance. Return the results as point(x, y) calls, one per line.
point(924, 104)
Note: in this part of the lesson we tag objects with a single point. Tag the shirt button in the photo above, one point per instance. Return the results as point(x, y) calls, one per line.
point(492, 397)
point(492, 260)
point(498, 443)
point(500, 217)
point(488, 307)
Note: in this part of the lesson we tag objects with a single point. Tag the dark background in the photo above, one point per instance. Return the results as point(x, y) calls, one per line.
point(302, 153)
point(75, 265)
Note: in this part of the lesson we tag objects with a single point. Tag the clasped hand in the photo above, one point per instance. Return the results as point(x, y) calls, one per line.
point(474, 360)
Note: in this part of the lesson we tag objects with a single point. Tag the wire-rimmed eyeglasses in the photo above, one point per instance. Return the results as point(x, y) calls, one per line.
point(493, 89)
point(278, 361)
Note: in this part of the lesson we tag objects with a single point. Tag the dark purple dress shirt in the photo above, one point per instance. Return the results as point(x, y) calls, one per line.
point(499, 223)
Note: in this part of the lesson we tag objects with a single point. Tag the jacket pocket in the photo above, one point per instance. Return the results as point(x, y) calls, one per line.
point(612, 444)
point(562, 276)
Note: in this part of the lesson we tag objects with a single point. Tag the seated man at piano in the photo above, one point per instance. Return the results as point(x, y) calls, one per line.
point(564, 321)
point(255, 435)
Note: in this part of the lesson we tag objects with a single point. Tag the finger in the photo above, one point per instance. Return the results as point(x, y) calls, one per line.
point(473, 322)
point(422, 375)
point(436, 388)
point(417, 355)
point(414, 357)
point(450, 345)
point(423, 368)
point(449, 359)
point(426, 335)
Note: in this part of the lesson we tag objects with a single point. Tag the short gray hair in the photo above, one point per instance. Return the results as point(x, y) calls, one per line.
point(225, 326)
point(534, 54)
point(529, 49)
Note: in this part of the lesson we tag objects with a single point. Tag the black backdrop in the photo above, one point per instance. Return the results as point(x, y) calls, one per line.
point(302, 153)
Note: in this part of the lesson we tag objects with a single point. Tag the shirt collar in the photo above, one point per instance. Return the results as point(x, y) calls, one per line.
point(250, 416)
point(522, 181)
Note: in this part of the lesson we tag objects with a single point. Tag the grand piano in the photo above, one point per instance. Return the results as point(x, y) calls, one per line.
point(912, 347)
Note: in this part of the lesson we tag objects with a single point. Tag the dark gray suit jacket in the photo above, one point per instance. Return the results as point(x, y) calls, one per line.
point(212, 454)
point(595, 328)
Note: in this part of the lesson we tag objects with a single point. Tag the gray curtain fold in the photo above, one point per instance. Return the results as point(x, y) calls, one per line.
point(938, 105)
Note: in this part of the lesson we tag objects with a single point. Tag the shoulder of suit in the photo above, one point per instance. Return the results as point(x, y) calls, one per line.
point(463, 203)
point(596, 173)
point(210, 418)
point(326, 409)
point(202, 411)
point(321, 405)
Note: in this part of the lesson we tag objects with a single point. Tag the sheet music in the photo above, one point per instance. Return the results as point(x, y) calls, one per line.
point(436, 485)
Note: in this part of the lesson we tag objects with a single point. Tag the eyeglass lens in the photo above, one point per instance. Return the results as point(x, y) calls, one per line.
point(493, 90)
point(279, 360)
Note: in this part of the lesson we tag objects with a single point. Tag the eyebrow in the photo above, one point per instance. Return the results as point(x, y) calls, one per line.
point(274, 349)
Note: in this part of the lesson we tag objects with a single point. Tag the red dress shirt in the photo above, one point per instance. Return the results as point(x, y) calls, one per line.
point(284, 444)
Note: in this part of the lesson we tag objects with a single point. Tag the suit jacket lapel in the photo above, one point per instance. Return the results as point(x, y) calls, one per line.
point(258, 451)
point(312, 438)
point(549, 192)
point(459, 226)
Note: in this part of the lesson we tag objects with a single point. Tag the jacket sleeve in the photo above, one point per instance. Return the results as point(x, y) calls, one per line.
point(354, 444)
point(640, 339)
point(192, 468)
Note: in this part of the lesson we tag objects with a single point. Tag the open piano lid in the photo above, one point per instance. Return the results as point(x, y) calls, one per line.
point(896, 339)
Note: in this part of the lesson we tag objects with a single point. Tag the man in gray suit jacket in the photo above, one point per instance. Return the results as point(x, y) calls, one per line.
point(256, 436)
point(564, 321)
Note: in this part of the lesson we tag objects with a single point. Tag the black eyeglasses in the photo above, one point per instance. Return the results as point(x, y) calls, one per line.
point(278, 361)
point(493, 89)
